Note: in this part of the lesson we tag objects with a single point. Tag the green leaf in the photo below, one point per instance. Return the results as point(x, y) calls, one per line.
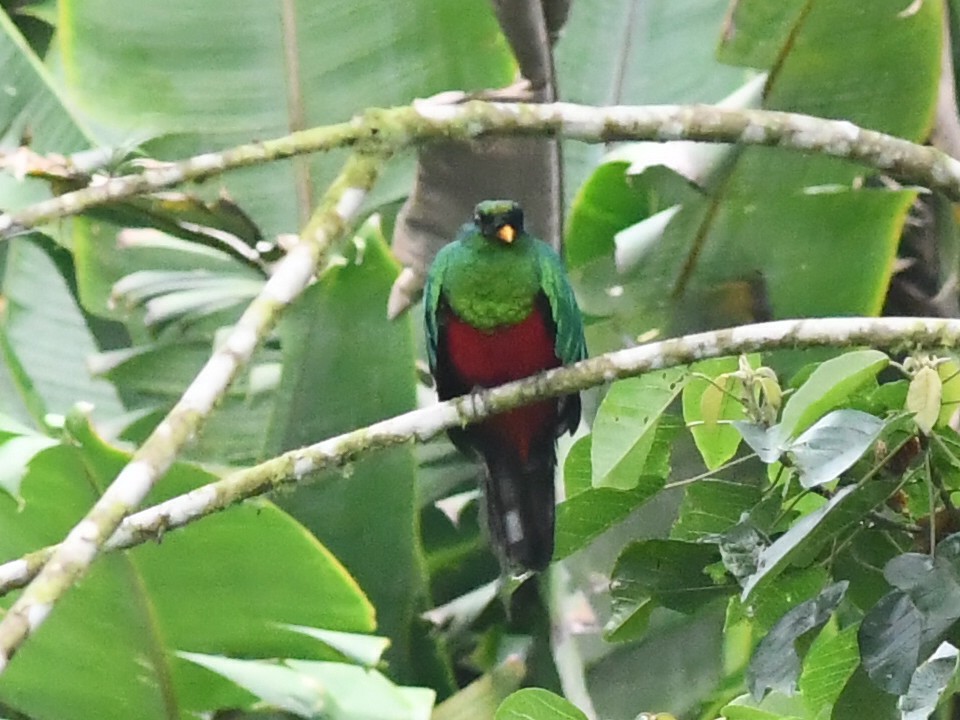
point(950, 375)
point(830, 662)
point(362, 649)
point(766, 609)
point(616, 52)
point(775, 706)
point(833, 444)
point(246, 569)
point(847, 507)
point(889, 639)
point(757, 31)
point(924, 398)
point(34, 109)
point(912, 619)
point(711, 507)
point(153, 377)
point(207, 87)
point(577, 471)
point(672, 572)
point(774, 233)
point(48, 336)
point(537, 704)
point(483, 696)
point(626, 423)
point(712, 402)
point(860, 695)
point(933, 583)
point(767, 442)
point(15, 455)
point(278, 686)
point(629, 619)
point(586, 515)
point(345, 365)
point(830, 385)
point(775, 664)
point(311, 689)
point(928, 683)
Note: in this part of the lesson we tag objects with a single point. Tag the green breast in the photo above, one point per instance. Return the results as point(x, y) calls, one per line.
point(490, 284)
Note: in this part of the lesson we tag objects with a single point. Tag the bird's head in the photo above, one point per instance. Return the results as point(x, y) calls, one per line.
point(500, 220)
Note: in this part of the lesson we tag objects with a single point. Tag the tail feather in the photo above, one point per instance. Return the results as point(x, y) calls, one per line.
point(520, 507)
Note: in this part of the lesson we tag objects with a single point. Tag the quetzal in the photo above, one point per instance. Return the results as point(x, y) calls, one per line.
point(499, 307)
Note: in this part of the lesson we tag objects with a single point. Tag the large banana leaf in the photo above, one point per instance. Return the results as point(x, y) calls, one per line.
point(212, 74)
point(345, 366)
point(774, 232)
point(109, 651)
point(44, 337)
point(633, 53)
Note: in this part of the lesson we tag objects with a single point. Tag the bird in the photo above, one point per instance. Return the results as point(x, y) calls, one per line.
point(498, 306)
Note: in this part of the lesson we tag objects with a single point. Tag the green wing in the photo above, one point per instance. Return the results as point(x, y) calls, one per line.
point(570, 345)
point(431, 303)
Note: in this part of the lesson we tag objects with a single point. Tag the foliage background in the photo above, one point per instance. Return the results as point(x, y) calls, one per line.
point(104, 309)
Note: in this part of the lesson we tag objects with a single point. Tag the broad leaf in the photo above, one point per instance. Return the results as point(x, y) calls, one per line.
point(889, 640)
point(928, 684)
point(626, 425)
point(589, 513)
point(924, 398)
point(345, 366)
point(484, 695)
point(618, 52)
point(767, 442)
point(537, 704)
point(706, 404)
point(833, 444)
point(775, 664)
point(831, 660)
point(258, 568)
point(32, 108)
point(950, 375)
point(673, 573)
point(311, 689)
point(364, 650)
point(711, 507)
point(16, 452)
point(46, 337)
point(829, 386)
point(847, 507)
point(266, 71)
point(911, 621)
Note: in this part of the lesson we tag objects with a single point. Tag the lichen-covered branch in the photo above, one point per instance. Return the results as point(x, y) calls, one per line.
point(423, 121)
point(893, 334)
point(72, 557)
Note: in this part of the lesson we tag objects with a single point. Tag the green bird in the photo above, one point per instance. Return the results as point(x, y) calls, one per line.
point(498, 307)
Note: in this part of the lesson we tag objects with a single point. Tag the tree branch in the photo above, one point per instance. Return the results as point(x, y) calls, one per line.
point(394, 128)
point(892, 334)
point(70, 560)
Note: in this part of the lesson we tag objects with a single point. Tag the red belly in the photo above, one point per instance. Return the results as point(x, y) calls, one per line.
point(490, 358)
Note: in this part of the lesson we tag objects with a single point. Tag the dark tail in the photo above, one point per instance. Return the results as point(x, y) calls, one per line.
point(520, 507)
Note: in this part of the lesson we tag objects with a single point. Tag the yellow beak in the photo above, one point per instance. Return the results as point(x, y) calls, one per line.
point(507, 233)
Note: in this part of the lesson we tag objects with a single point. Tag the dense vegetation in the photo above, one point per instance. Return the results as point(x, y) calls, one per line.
point(748, 537)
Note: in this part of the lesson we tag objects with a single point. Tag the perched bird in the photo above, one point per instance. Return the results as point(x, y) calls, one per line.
point(499, 307)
